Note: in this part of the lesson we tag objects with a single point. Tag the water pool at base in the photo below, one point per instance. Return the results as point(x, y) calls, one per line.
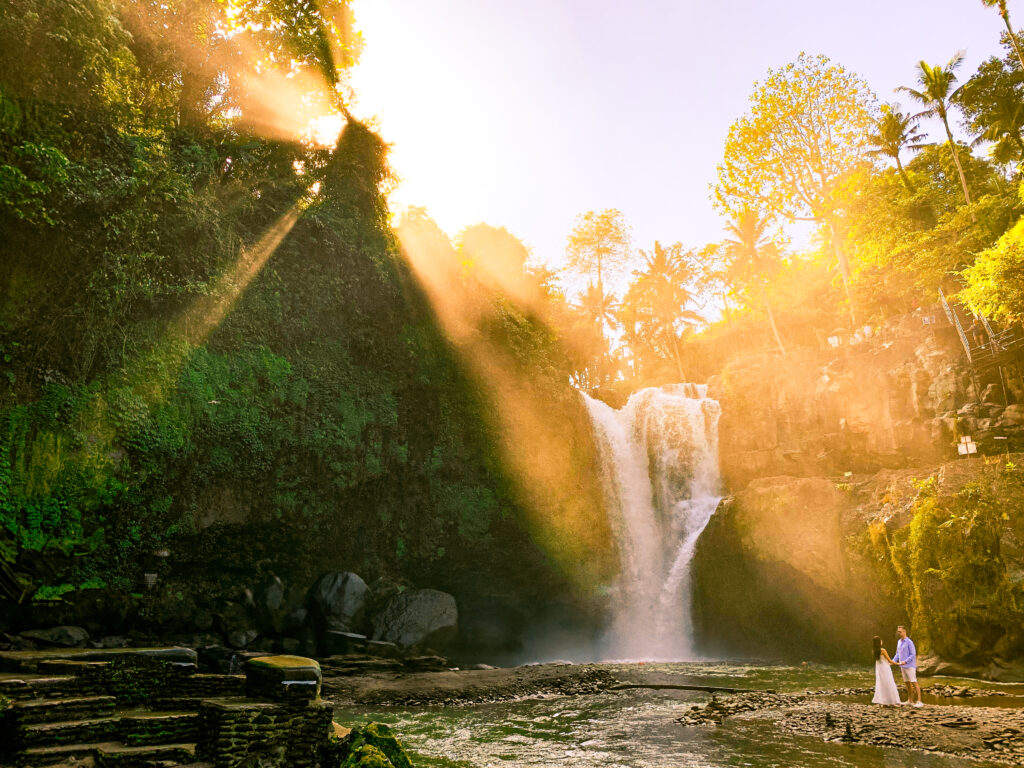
point(637, 728)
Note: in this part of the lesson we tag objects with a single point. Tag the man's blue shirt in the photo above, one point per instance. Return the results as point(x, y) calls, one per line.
point(906, 652)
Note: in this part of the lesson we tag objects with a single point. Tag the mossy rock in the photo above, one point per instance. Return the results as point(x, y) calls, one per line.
point(301, 666)
point(367, 756)
point(369, 746)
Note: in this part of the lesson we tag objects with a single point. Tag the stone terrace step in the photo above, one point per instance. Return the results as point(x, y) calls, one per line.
point(70, 732)
point(66, 754)
point(116, 755)
point(111, 754)
point(62, 710)
point(40, 687)
point(28, 661)
point(159, 728)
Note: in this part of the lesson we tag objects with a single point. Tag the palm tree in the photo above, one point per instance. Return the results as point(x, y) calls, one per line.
point(752, 256)
point(936, 95)
point(660, 296)
point(1004, 131)
point(598, 306)
point(1005, 13)
point(893, 132)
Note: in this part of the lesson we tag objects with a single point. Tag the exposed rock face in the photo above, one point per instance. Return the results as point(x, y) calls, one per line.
point(424, 618)
point(338, 601)
point(774, 575)
point(810, 568)
point(890, 402)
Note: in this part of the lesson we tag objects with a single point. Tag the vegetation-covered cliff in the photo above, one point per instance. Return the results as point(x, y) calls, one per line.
point(217, 364)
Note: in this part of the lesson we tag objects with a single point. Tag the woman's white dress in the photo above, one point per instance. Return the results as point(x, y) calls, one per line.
point(885, 686)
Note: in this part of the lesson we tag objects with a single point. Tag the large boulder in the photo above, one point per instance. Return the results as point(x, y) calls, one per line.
point(338, 602)
point(775, 576)
point(237, 624)
point(65, 637)
point(279, 607)
point(422, 618)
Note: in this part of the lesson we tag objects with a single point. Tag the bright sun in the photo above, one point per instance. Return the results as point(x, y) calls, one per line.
point(324, 130)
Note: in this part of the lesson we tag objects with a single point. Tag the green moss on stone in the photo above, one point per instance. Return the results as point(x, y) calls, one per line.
point(367, 756)
point(285, 662)
point(369, 741)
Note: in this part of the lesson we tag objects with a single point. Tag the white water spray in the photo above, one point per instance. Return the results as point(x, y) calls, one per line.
point(659, 457)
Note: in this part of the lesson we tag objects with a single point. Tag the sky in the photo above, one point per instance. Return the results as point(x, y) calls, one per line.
point(526, 114)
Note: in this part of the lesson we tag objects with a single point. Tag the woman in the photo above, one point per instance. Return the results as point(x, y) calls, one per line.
point(885, 687)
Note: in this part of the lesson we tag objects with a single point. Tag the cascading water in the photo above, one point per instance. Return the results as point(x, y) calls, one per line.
point(659, 457)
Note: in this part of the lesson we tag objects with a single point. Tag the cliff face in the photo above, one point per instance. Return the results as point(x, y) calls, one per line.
point(775, 576)
point(808, 568)
point(844, 522)
point(893, 401)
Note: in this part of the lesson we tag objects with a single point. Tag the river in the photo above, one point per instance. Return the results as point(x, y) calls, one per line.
point(637, 728)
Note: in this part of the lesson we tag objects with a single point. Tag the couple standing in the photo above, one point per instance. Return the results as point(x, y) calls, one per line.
point(906, 659)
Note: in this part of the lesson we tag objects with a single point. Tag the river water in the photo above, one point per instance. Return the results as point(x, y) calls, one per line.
point(637, 728)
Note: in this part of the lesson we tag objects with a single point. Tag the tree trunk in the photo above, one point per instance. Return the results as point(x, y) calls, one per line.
point(1013, 38)
point(844, 269)
point(771, 320)
point(903, 174)
point(956, 160)
point(675, 352)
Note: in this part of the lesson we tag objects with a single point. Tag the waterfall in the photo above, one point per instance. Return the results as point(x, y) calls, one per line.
point(659, 458)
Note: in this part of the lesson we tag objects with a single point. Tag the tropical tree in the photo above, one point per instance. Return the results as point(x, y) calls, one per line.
point(656, 308)
point(892, 132)
point(600, 243)
point(1004, 131)
point(995, 282)
point(1004, 12)
point(936, 93)
point(991, 103)
point(597, 306)
point(806, 130)
point(751, 258)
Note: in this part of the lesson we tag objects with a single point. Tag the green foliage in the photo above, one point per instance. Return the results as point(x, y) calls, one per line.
point(958, 559)
point(153, 392)
point(907, 243)
point(995, 282)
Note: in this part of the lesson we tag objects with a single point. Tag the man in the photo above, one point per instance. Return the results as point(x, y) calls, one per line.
point(906, 660)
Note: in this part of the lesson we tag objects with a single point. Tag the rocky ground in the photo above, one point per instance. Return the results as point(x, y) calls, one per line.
point(995, 734)
point(398, 687)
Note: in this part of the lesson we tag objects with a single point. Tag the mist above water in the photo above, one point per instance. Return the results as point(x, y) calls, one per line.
point(659, 460)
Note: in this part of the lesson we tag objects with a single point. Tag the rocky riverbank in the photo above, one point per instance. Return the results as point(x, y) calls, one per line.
point(397, 687)
point(995, 734)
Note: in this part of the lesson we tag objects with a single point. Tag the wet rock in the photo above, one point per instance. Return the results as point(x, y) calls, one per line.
point(237, 624)
point(383, 649)
point(295, 620)
point(65, 637)
point(423, 618)
point(341, 643)
point(112, 641)
point(338, 601)
point(272, 608)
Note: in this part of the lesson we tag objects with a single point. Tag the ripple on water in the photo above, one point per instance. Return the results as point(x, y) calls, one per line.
point(635, 728)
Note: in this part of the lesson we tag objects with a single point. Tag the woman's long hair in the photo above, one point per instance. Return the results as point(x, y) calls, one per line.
point(876, 646)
